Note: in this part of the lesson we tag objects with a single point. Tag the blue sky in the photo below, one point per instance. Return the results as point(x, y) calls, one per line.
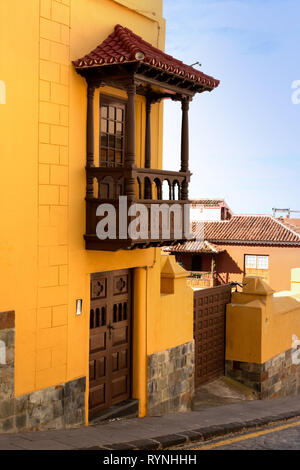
point(244, 136)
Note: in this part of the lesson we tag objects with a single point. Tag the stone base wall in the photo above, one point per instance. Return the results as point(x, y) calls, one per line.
point(171, 380)
point(278, 377)
point(57, 407)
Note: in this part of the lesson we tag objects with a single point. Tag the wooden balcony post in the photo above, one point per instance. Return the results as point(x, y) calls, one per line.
point(147, 187)
point(90, 137)
point(148, 134)
point(185, 103)
point(90, 127)
point(130, 150)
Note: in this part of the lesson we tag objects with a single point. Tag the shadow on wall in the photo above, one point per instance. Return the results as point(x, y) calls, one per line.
point(226, 266)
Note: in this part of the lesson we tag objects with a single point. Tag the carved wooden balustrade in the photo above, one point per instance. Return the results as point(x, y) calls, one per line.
point(149, 183)
point(152, 188)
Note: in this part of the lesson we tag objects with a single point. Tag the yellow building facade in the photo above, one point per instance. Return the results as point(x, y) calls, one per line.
point(45, 267)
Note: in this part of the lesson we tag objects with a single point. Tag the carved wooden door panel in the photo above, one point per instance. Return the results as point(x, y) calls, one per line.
point(110, 339)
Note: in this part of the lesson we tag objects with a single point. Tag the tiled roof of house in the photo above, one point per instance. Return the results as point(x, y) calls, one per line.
point(125, 46)
point(243, 230)
point(251, 228)
point(293, 224)
point(195, 246)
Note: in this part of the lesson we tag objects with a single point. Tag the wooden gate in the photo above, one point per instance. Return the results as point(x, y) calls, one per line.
point(209, 332)
point(110, 318)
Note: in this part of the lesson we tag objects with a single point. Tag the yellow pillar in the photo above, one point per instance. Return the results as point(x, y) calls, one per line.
point(247, 319)
point(139, 350)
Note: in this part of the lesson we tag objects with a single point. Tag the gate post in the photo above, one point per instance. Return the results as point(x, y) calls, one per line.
point(139, 348)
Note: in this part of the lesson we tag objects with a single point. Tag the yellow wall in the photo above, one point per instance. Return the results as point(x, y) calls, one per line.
point(19, 69)
point(43, 261)
point(171, 322)
point(260, 325)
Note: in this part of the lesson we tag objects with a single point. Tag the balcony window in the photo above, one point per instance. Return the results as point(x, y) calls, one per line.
point(112, 132)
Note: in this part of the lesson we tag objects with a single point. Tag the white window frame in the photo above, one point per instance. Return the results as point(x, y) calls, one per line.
point(250, 265)
point(265, 262)
point(258, 259)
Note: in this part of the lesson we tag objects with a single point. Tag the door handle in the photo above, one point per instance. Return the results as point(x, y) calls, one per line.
point(110, 328)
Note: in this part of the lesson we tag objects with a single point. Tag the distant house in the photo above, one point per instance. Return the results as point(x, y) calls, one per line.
point(226, 250)
point(209, 209)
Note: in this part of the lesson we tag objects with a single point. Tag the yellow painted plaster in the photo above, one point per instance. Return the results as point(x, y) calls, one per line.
point(43, 261)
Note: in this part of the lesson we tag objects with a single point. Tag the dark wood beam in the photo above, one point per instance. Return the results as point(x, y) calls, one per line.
point(148, 133)
point(185, 103)
point(162, 85)
point(90, 126)
point(118, 76)
point(90, 138)
point(130, 146)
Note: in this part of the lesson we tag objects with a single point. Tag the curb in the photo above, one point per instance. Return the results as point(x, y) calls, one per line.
point(197, 435)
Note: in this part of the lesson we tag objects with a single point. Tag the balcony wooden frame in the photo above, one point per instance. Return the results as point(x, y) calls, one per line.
point(155, 85)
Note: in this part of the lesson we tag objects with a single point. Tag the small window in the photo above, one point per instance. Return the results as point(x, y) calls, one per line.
point(256, 262)
point(262, 262)
point(250, 262)
point(112, 132)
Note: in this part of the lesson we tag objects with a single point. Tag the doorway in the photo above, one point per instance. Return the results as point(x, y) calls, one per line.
point(110, 340)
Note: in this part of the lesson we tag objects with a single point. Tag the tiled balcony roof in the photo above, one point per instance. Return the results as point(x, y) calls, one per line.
point(195, 246)
point(125, 46)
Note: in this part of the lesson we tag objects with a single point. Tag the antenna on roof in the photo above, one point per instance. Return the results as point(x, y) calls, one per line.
point(289, 211)
point(196, 63)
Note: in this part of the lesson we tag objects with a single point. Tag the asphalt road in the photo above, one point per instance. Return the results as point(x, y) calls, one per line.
point(285, 436)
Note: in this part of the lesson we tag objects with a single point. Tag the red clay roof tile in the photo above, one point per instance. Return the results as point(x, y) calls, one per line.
point(195, 247)
point(293, 224)
point(208, 202)
point(250, 228)
point(242, 230)
point(125, 46)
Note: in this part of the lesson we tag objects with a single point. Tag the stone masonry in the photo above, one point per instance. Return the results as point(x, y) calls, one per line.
point(171, 380)
point(57, 407)
point(278, 377)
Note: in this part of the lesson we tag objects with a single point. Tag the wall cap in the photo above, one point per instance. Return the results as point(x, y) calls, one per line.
point(255, 285)
point(172, 270)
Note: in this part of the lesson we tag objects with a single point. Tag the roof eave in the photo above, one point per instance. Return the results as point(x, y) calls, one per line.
point(253, 242)
point(199, 86)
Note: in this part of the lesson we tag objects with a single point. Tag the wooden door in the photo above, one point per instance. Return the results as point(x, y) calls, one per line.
point(110, 340)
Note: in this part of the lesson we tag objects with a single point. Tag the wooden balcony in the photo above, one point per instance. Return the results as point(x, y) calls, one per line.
point(202, 279)
point(117, 174)
point(152, 188)
point(135, 67)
